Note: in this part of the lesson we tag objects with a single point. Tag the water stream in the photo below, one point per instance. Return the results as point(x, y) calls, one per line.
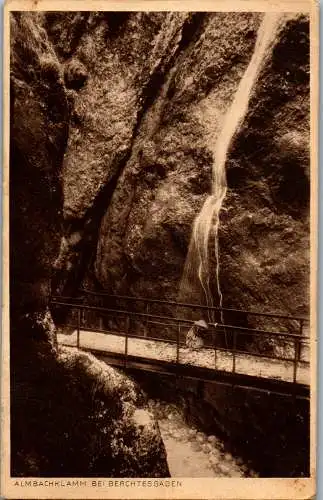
point(198, 258)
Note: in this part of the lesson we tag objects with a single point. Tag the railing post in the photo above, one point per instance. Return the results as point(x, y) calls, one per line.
point(55, 339)
point(296, 343)
point(126, 343)
point(146, 322)
point(78, 327)
point(234, 352)
point(177, 342)
point(299, 342)
point(214, 342)
point(52, 301)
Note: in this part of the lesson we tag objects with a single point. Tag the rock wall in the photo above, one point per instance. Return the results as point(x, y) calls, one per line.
point(113, 119)
point(265, 224)
point(39, 129)
point(71, 415)
point(138, 162)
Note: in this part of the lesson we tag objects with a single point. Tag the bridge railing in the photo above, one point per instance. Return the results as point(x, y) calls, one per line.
point(84, 293)
point(251, 319)
point(231, 339)
point(241, 318)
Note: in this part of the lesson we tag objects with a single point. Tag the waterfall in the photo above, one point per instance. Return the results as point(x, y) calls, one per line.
point(197, 261)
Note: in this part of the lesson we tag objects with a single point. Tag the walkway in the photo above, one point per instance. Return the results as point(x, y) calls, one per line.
point(137, 333)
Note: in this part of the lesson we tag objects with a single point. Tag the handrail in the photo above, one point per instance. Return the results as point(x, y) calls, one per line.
point(235, 351)
point(179, 304)
point(179, 320)
point(194, 306)
point(174, 342)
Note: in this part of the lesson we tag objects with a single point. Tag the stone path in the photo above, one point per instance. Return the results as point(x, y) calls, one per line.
point(191, 453)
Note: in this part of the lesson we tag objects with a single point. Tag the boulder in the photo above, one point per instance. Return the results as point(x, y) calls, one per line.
point(84, 419)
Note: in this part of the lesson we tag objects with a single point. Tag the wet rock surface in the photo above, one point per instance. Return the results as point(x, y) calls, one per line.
point(138, 164)
point(268, 179)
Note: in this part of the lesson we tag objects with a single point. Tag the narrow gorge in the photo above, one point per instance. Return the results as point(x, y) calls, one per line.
point(163, 155)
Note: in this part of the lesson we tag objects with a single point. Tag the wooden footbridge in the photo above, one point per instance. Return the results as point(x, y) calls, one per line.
point(260, 351)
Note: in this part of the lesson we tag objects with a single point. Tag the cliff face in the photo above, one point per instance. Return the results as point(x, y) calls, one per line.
point(153, 96)
point(114, 117)
point(265, 230)
point(71, 415)
point(39, 129)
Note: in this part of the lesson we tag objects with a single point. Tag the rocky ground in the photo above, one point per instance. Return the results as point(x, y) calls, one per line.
point(191, 453)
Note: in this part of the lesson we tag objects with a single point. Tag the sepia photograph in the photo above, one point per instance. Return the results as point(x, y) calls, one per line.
point(160, 204)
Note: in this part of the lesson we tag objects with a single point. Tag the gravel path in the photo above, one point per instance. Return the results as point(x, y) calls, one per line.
point(191, 453)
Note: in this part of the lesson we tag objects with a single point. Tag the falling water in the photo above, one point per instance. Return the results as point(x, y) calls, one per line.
point(198, 254)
